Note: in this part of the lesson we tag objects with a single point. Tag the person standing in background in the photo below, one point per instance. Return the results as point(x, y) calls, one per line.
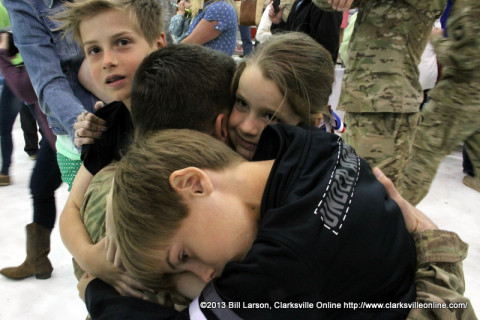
point(381, 94)
point(214, 25)
point(306, 17)
point(53, 62)
point(453, 113)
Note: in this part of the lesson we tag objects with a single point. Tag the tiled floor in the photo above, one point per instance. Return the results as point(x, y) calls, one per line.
point(452, 205)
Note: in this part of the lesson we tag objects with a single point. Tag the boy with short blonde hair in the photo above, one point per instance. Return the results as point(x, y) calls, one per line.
point(146, 16)
point(116, 36)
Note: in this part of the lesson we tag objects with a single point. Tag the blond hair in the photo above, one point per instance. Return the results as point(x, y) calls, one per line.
point(147, 211)
point(300, 67)
point(146, 15)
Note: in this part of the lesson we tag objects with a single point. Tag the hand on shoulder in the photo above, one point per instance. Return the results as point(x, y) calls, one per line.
point(415, 220)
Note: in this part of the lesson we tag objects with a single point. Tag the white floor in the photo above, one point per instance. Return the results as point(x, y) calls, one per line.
point(451, 205)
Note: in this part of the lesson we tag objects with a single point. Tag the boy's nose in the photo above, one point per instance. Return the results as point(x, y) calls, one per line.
point(109, 59)
point(205, 273)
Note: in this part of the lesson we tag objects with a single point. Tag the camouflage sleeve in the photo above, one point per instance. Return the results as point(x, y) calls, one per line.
point(433, 8)
point(459, 54)
point(439, 277)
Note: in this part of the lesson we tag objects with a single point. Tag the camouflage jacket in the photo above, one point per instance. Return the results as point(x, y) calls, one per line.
point(439, 277)
point(385, 48)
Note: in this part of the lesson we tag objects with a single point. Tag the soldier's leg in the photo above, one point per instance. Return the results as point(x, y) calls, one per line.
point(444, 127)
point(472, 146)
point(384, 140)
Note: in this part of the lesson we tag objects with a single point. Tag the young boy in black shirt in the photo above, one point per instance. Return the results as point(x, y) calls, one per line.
point(305, 222)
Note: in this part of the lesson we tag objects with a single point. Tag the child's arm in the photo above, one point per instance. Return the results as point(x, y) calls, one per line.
point(91, 258)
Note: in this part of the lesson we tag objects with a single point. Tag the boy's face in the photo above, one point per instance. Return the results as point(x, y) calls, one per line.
point(114, 49)
point(258, 102)
point(216, 232)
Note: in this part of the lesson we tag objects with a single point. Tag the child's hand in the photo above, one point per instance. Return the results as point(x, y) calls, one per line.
point(98, 105)
point(82, 285)
point(115, 276)
point(415, 220)
point(87, 128)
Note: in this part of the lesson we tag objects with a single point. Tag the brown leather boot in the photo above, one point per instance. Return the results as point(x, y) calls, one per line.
point(36, 263)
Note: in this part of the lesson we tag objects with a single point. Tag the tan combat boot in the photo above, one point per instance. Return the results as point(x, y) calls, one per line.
point(36, 263)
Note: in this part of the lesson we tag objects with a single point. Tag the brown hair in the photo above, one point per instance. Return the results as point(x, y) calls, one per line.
point(182, 86)
point(146, 15)
point(147, 211)
point(300, 67)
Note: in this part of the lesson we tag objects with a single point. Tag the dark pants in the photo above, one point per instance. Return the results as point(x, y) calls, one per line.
point(10, 106)
point(29, 128)
point(44, 181)
point(467, 164)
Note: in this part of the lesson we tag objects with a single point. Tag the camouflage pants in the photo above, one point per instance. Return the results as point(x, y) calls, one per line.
point(384, 140)
point(447, 123)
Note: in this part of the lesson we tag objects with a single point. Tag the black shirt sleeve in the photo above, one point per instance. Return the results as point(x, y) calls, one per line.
point(103, 303)
point(112, 142)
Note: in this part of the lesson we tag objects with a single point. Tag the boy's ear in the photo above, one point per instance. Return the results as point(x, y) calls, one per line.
point(220, 130)
point(191, 182)
point(161, 41)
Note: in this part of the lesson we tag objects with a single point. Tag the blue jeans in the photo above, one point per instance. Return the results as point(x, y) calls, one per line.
point(10, 106)
point(246, 39)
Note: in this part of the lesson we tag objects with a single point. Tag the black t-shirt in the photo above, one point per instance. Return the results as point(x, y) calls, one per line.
point(328, 235)
point(113, 141)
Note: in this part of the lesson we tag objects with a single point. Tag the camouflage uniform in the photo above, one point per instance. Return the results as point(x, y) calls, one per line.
point(381, 93)
point(453, 113)
point(439, 276)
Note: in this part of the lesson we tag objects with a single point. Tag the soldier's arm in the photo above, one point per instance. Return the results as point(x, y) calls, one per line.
point(439, 274)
